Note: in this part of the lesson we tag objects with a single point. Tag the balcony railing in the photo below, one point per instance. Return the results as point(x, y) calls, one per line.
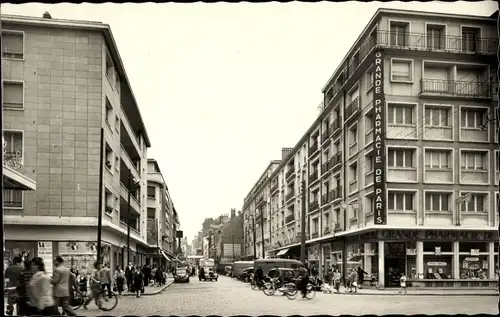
point(289, 196)
point(449, 43)
point(337, 227)
point(313, 205)
point(274, 187)
point(314, 235)
point(352, 108)
point(336, 159)
point(326, 230)
point(313, 148)
point(325, 167)
point(325, 199)
point(291, 170)
point(458, 88)
point(335, 126)
point(289, 218)
point(335, 193)
point(313, 177)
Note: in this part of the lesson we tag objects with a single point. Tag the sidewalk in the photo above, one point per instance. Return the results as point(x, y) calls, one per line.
point(425, 292)
point(153, 290)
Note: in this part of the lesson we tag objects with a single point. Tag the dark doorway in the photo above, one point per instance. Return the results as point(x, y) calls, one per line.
point(394, 263)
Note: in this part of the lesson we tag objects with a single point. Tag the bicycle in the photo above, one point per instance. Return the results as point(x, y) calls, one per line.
point(291, 290)
point(102, 296)
point(272, 286)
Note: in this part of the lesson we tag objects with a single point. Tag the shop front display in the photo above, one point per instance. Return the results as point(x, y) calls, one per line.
point(78, 254)
point(313, 256)
point(326, 257)
point(355, 256)
point(438, 260)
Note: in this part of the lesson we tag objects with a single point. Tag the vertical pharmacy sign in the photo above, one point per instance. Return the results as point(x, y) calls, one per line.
point(380, 211)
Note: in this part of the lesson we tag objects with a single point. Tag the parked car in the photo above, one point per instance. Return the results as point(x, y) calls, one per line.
point(211, 275)
point(181, 275)
point(245, 274)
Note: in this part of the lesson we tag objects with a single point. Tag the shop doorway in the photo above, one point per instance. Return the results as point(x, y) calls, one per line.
point(394, 262)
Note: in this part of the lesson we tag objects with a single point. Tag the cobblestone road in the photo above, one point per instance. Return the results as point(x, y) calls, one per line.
point(231, 297)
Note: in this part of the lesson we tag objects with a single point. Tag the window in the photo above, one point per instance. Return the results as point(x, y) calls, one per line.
point(436, 36)
point(117, 163)
point(353, 135)
point(109, 68)
point(370, 204)
point(353, 171)
point(13, 95)
point(151, 192)
point(13, 143)
point(437, 201)
point(368, 123)
point(437, 159)
point(399, 114)
point(369, 164)
point(369, 78)
point(400, 158)
point(472, 118)
point(315, 225)
point(399, 33)
point(109, 112)
point(497, 161)
point(473, 160)
point(437, 117)
point(337, 216)
point(13, 198)
point(400, 201)
point(13, 44)
point(471, 38)
point(110, 200)
point(476, 203)
point(354, 94)
point(401, 70)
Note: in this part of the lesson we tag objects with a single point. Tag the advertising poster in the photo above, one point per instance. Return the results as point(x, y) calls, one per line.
point(380, 210)
point(45, 252)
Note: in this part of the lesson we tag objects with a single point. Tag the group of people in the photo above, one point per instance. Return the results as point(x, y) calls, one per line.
point(136, 278)
point(35, 292)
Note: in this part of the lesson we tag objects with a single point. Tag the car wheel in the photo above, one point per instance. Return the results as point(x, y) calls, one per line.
point(216, 280)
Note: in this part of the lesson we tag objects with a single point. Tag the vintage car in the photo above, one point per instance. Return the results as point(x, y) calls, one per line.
point(209, 275)
point(181, 275)
point(246, 274)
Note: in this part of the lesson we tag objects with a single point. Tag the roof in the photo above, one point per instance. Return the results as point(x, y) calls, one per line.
point(105, 29)
point(383, 11)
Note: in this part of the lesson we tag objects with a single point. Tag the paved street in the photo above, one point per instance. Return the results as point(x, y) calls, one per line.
point(231, 297)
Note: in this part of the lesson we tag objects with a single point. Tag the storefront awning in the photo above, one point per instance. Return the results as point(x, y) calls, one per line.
point(282, 252)
point(166, 256)
point(15, 180)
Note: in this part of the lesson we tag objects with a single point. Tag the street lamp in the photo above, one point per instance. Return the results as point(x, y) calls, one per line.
point(132, 184)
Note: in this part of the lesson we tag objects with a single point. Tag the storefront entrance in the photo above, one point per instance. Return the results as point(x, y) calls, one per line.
point(394, 263)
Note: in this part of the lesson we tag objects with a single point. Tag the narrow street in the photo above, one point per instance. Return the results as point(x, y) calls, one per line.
point(231, 297)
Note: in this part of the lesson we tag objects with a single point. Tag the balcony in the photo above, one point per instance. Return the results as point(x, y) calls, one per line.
point(290, 172)
point(289, 218)
point(325, 199)
point(337, 227)
point(313, 149)
point(470, 176)
point(314, 176)
point(274, 187)
point(326, 230)
point(313, 206)
point(129, 163)
point(336, 160)
point(325, 135)
point(325, 167)
point(458, 89)
point(289, 196)
point(335, 193)
point(314, 235)
point(352, 109)
point(449, 43)
point(335, 127)
point(134, 201)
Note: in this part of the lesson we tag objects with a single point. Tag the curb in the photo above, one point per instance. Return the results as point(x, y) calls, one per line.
point(417, 294)
point(159, 290)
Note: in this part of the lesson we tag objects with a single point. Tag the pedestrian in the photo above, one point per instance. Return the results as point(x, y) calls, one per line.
point(138, 281)
point(23, 305)
point(12, 274)
point(353, 284)
point(129, 276)
point(61, 282)
point(158, 276)
point(164, 277)
point(402, 283)
point(95, 285)
point(361, 277)
point(106, 278)
point(336, 280)
point(40, 290)
point(119, 277)
point(328, 282)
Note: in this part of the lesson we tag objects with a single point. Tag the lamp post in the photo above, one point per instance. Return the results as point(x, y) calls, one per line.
point(132, 183)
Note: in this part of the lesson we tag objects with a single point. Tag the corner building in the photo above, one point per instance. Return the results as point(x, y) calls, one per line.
point(64, 81)
point(401, 166)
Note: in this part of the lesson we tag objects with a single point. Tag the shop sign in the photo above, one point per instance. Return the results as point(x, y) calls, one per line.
point(379, 140)
point(471, 259)
point(411, 251)
point(45, 252)
point(437, 251)
point(474, 251)
point(436, 263)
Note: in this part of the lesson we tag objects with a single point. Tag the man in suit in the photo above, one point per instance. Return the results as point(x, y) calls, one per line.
point(128, 276)
point(106, 278)
point(61, 282)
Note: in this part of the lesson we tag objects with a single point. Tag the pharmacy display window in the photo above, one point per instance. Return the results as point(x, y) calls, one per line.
point(411, 260)
point(438, 260)
point(355, 256)
point(473, 259)
point(373, 253)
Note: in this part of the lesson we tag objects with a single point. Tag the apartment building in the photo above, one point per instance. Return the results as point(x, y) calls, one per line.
point(257, 216)
point(160, 216)
point(400, 167)
point(62, 82)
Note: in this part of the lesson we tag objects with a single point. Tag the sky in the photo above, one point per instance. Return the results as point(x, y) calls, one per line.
point(223, 87)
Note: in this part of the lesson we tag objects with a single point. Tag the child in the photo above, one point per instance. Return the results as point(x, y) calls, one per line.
point(402, 281)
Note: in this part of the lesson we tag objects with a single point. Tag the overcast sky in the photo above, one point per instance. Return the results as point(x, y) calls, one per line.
point(222, 87)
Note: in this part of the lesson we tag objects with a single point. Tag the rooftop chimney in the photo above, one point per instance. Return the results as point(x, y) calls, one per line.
point(285, 151)
point(233, 213)
point(47, 15)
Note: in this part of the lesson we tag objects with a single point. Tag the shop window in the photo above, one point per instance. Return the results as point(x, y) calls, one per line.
point(473, 267)
point(431, 246)
point(468, 246)
point(438, 267)
point(355, 256)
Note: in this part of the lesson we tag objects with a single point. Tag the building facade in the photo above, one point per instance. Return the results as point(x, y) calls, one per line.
point(63, 82)
point(401, 166)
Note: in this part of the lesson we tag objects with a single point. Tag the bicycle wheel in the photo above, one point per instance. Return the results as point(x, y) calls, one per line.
point(107, 301)
point(310, 291)
point(77, 300)
point(253, 285)
point(291, 292)
point(269, 289)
